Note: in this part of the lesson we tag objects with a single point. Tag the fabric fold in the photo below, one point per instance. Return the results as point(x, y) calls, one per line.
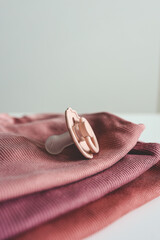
point(93, 217)
point(25, 166)
point(26, 212)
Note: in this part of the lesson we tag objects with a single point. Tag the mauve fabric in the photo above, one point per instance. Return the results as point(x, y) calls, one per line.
point(26, 212)
point(25, 166)
point(91, 218)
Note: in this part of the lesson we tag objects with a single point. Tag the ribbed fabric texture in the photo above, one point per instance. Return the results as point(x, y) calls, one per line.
point(36, 187)
point(93, 217)
point(21, 214)
point(26, 167)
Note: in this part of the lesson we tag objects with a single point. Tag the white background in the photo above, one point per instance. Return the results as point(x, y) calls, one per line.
point(92, 55)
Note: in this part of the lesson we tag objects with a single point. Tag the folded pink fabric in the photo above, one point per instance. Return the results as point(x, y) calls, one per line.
point(24, 213)
point(26, 167)
point(91, 218)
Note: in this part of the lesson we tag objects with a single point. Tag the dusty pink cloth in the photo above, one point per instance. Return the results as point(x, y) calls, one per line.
point(27, 168)
point(24, 213)
point(92, 217)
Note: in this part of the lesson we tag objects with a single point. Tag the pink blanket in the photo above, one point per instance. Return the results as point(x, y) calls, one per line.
point(27, 168)
point(26, 212)
point(36, 187)
point(93, 217)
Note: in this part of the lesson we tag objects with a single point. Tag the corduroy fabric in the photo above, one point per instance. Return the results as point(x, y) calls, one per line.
point(20, 214)
point(91, 218)
point(26, 167)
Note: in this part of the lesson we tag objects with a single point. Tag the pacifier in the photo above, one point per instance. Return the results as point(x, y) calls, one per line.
point(79, 133)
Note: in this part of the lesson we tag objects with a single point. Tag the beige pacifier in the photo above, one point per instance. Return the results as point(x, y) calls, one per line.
point(79, 133)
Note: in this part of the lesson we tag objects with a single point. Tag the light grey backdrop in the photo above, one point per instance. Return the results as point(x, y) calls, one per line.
point(92, 55)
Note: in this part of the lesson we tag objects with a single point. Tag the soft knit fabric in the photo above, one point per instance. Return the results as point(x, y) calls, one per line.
point(25, 166)
point(20, 214)
point(91, 218)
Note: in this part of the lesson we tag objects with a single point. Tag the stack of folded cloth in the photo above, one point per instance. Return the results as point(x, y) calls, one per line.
point(67, 196)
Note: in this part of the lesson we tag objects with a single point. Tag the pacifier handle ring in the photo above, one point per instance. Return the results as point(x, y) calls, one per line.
point(92, 144)
point(89, 135)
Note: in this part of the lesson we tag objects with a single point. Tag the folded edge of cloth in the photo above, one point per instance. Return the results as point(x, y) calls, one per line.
point(26, 167)
point(23, 213)
point(94, 216)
